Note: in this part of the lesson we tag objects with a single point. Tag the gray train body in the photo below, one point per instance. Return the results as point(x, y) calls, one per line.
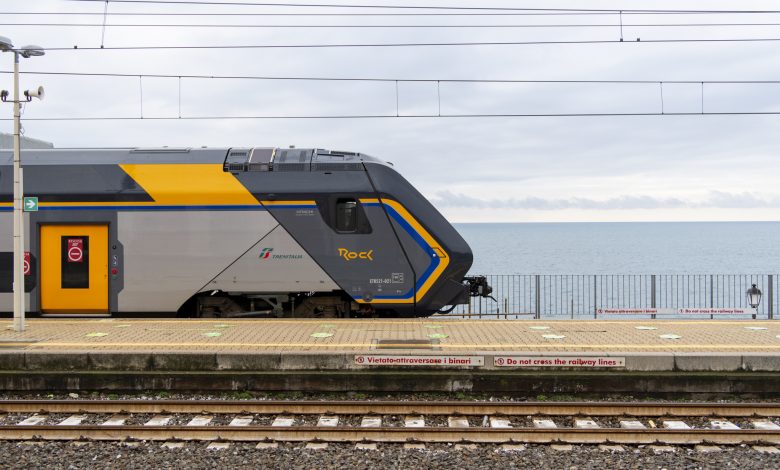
point(229, 232)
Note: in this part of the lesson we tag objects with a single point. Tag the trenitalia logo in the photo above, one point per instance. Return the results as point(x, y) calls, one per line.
point(266, 253)
point(352, 255)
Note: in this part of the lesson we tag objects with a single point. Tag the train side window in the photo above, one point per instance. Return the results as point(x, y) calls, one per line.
point(346, 215)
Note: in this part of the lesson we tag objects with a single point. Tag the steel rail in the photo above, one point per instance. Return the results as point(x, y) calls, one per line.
point(449, 408)
point(389, 434)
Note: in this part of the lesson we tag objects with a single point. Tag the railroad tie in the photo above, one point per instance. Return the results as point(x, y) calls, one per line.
point(585, 423)
point(706, 449)
point(116, 420)
point(200, 421)
point(266, 445)
point(661, 449)
point(562, 447)
point(74, 420)
point(767, 449)
point(500, 423)
point(371, 422)
point(159, 420)
point(677, 425)
point(765, 425)
point(414, 446)
point(219, 445)
point(512, 447)
point(33, 420)
point(316, 446)
point(631, 424)
point(328, 421)
point(172, 445)
point(457, 422)
point(723, 424)
point(414, 422)
point(611, 448)
point(241, 421)
point(283, 422)
point(544, 423)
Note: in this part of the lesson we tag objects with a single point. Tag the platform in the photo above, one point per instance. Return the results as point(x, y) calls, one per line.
point(433, 354)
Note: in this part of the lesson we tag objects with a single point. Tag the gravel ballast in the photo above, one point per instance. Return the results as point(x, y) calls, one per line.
point(288, 456)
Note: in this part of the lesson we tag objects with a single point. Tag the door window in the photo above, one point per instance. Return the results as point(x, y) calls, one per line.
point(74, 261)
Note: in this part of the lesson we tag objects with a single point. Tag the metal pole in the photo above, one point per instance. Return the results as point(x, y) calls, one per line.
point(770, 298)
point(652, 294)
point(18, 268)
point(712, 294)
point(538, 300)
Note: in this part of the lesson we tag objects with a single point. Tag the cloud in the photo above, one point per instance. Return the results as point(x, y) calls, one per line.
point(715, 199)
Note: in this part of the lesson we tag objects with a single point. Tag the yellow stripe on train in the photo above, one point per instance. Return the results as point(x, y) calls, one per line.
point(190, 184)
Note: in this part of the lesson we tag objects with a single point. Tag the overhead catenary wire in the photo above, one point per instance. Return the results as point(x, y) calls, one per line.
point(393, 116)
point(414, 44)
point(415, 7)
point(396, 111)
point(387, 79)
point(609, 13)
point(369, 26)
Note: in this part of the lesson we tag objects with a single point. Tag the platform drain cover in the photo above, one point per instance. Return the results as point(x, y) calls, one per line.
point(406, 344)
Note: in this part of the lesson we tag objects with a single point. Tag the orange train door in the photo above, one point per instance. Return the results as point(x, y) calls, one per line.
point(74, 269)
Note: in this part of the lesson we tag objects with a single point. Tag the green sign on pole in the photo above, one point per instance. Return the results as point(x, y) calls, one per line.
point(31, 204)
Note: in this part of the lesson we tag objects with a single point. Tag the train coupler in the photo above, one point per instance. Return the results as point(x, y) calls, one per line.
point(478, 287)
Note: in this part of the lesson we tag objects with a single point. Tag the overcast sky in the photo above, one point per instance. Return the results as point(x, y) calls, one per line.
point(638, 168)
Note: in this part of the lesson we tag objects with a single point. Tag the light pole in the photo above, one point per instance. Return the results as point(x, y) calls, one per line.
point(18, 267)
point(754, 298)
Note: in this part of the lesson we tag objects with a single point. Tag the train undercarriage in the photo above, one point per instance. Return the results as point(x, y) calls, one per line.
point(220, 304)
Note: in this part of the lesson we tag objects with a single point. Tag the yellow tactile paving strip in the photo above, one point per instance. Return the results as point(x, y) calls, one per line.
point(358, 336)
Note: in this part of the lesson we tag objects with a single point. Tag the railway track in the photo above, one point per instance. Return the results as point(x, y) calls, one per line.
point(394, 422)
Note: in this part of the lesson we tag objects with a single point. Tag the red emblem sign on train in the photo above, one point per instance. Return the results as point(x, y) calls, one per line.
point(26, 263)
point(75, 250)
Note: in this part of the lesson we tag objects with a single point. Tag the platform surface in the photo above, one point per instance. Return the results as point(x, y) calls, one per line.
point(685, 356)
point(390, 335)
point(382, 355)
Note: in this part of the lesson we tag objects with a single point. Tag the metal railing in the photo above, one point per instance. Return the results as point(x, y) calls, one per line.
point(625, 296)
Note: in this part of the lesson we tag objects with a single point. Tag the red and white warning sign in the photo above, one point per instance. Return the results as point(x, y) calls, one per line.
point(26, 263)
point(559, 361)
point(75, 250)
point(431, 361)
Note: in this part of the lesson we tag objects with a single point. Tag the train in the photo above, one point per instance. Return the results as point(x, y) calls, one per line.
point(229, 232)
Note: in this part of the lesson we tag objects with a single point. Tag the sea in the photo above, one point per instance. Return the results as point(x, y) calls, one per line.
point(624, 248)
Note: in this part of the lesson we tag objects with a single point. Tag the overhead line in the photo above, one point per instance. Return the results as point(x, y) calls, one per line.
point(367, 26)
point(389, 79)
point(417, 7)
point(607, 13)
point(394, 116)
point(418, 44)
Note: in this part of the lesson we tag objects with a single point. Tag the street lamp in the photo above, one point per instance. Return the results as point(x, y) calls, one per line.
point(18, 267)
point(753, 297)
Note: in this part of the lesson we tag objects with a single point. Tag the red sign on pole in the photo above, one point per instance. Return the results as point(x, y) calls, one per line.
point(75, 250)
point(26, 263)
